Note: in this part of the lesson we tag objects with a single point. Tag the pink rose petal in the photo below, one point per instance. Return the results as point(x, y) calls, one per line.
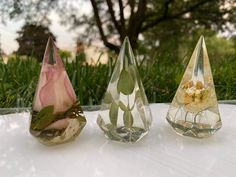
point(69, 89)
point(54, 92)
point(37, 106)
point(54, 87)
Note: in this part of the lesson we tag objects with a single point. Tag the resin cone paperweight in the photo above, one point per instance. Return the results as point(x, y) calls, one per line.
point(194, 110)
point(125, 115)
point(56, 114)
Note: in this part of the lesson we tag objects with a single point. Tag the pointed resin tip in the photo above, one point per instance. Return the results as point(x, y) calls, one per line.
point(125, 115)
point(194, 110)
point(56, 113)
point(126, 53)
point(201, 42)
point(50, 48)
point(126, 44)
point(50, 43)
point(126, 39)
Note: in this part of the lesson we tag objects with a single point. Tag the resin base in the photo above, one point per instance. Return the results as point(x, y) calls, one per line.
point(195, 130)
point(65, 127)
point(122, 133)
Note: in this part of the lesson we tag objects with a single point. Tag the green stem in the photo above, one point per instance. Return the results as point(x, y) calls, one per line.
point(175, 114)
point(128, 103)
point(185, 118)
point(195, 118)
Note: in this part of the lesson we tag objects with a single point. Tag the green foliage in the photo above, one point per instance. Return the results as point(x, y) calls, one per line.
point(65, 54)
point(177, 47)
point(19, 78)
point(18, 81)
point(218, 48)
point(32, 39)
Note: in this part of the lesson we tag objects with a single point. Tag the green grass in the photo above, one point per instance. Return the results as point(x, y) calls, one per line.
point(18, 80)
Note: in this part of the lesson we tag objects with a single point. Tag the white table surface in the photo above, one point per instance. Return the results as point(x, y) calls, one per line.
point(162, 153)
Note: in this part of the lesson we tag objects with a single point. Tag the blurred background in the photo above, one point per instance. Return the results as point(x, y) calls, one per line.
point(89, 33)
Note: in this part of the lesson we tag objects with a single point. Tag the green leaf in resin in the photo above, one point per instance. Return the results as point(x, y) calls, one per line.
point(107, 98)
point(128, 119)
point(125, 83)
point(122, 106)
point(125, 115)
point(44, 118)
point(113, 113)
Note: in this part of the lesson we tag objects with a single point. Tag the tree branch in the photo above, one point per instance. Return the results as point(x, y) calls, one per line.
point(136, 19)
point(122, 19)
point(166, 7)
point(132, 5)
point(166, 17)
point(142, 6)
point(113, 18)
point(99, 24)
point(165, 10)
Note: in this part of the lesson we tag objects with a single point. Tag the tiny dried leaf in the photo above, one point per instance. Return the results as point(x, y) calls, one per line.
point(113, 113)
point(107, 98)
point(43, 118)
point(128, 119)
point(125, 83)
point(122, 106)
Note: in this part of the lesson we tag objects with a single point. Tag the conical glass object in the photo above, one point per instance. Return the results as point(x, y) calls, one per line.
point(56, 114)
point(194, 110)
point(125, 115)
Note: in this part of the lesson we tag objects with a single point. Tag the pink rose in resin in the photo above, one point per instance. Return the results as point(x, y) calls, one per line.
point(56, 114)
point(54, 87)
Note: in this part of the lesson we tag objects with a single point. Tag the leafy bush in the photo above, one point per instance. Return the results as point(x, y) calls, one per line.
point(19, 79)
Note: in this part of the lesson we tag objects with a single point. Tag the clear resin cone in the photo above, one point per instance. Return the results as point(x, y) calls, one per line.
point(194, 110)
point(125, 115)
point(56, 114)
